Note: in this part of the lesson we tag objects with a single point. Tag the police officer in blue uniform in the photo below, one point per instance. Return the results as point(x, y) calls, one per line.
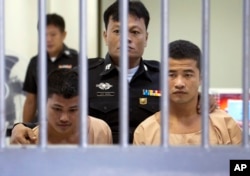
point(58, 56)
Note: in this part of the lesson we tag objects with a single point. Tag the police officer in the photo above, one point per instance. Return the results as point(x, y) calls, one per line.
point(58, 56)
point(143, 76)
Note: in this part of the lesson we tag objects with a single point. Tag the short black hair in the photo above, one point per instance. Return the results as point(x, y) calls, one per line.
point(63, 82)
point(183, 49)
point(56, 20)
point(136, 8)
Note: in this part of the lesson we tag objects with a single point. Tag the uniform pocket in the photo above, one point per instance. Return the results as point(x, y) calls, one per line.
point(103, 106)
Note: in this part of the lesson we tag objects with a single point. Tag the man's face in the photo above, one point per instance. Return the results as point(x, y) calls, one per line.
point(137, 39)
point(63, 114)
point(184, 80)
point(55, 39)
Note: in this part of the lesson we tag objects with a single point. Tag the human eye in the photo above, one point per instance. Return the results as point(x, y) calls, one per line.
point(188, 75)
point(73, 110)
point(116, 31)
point(135, 32)
point(57, 109)
point(171, 74)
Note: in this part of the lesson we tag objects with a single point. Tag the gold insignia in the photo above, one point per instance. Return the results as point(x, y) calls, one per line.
point(143, 101)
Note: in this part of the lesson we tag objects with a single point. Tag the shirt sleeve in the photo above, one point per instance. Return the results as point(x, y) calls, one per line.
point(30, 82)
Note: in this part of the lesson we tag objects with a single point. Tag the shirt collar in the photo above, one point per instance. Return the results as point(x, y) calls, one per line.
point(110, 67)
point(64, 52)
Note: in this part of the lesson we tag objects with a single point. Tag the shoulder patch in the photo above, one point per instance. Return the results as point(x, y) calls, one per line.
point(71, 51)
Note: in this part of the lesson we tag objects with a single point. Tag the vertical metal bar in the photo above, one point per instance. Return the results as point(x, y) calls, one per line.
point(42, 75)
point(83, 74)
point(164, 73)
point(205, 71)
point(245, 71)
point(123, 64)
point(2, 77)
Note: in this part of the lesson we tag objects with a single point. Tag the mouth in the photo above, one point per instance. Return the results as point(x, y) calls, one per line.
point(179, 93)
point(129, 48)
point(49, 46)
point(63, 125)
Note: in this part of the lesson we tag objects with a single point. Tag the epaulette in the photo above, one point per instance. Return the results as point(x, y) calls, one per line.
point(152, 64)
point(72, 51)
point(94, 62)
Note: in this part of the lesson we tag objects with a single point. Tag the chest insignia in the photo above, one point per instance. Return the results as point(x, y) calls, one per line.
point(104, 86)
point(65, 66)
point(148, 92)
point(143, 101)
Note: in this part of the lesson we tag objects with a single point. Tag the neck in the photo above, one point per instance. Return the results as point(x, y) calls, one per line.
point(184, 118)
point(54, 137)
point(133, 62)
point(183, 110)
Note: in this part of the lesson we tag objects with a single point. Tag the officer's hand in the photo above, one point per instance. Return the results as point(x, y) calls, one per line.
point(22, 135)
point(212, 104)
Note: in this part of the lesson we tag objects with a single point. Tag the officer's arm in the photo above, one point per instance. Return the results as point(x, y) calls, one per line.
point(30, 106)
point(22, 133)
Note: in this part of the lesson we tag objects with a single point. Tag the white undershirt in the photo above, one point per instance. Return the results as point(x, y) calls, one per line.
point(131, 72)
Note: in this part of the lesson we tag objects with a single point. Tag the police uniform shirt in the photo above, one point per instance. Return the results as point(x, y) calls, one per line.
point(104, 93)
point(68, 58)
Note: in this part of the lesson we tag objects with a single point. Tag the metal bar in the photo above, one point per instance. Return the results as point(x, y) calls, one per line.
point(83, 74)
point(142, 161)
point(205, 71)
point(123, 82)
point(164, 73)
point(42, 75)
point(245, 72)
point(2, 77)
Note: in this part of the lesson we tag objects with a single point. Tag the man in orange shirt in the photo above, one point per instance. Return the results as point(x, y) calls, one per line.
point(63, 113)
point(184, 122)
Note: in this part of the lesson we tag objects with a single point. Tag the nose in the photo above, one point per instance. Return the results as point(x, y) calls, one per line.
point(129, 38)
point(179, 82)
point(48, 38)
point(64, 117)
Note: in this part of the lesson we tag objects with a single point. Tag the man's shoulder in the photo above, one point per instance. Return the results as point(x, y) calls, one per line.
point(95, 62)
point(70, 51)
point(219, 113)
point(220, 116)
point(33, 59)
point(98, 124)
point(151, 121)
point(152, 64)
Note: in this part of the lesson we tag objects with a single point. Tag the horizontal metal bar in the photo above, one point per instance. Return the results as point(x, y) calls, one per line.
point(93, 161)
